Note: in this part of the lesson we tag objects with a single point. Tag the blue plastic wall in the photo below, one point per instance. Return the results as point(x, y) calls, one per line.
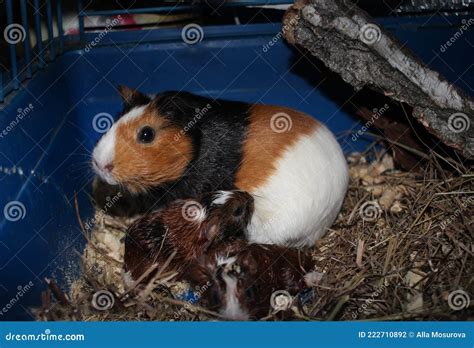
point(50, 146)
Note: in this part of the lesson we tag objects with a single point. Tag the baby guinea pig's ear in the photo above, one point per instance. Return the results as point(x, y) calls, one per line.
point(212, 229)
point(132, 97)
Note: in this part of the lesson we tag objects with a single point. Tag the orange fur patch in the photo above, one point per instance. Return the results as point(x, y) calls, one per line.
point(141, 166)
point(272, 130)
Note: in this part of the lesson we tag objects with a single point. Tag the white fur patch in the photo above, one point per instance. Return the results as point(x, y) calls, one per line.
point(303, 197)
point(222, 197)
point(103, 155)
point(132, 114)
point(232, 310)
point(224, 260)
point(104, 151)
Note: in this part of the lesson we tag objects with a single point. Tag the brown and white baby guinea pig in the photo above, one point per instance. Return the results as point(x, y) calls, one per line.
point(187, 227)
point(248, 281)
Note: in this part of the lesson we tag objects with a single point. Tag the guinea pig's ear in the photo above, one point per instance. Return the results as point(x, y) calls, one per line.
point(212, 231)
point(132, 97)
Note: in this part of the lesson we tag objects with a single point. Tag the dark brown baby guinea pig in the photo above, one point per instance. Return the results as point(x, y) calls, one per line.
point(187, 227)
point(250, 280)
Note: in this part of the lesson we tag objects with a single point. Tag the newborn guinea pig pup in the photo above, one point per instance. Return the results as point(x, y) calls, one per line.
point(250, 280)
point(180, 145)
point(187, 227)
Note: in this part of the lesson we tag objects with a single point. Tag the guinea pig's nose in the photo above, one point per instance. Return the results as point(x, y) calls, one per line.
point(109, 167)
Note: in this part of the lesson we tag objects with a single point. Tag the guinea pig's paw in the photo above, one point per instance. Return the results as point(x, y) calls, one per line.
point(233, 269)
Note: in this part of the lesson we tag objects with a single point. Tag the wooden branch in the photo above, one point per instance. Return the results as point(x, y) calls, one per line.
point(348, 41)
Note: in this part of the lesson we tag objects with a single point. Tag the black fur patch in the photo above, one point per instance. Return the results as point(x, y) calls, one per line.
point(217, 129)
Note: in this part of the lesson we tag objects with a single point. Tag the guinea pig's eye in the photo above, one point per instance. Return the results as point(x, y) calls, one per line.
point(238, 211)
point(146, 135)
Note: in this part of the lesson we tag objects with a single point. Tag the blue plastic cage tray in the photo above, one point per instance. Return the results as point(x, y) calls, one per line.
point(44, 157)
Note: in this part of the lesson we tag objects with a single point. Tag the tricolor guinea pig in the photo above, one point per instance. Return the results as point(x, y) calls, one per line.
point(178, 145)
point(186, 228)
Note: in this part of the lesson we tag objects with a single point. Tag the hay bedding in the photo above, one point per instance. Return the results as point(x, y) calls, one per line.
point(401, 245)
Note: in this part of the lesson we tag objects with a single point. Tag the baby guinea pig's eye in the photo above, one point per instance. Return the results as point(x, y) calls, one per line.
point(146, 135)
point(238, 211)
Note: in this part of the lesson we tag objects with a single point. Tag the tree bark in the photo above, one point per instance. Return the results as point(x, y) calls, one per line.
point(348, 41)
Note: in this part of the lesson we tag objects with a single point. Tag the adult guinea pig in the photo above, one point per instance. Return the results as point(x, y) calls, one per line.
point(186, 228)
point(178, 145)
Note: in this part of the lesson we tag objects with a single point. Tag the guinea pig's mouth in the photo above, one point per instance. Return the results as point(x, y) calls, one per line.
point(105, 176)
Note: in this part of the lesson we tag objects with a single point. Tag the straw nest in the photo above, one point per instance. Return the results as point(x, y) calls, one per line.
point(401, 249)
